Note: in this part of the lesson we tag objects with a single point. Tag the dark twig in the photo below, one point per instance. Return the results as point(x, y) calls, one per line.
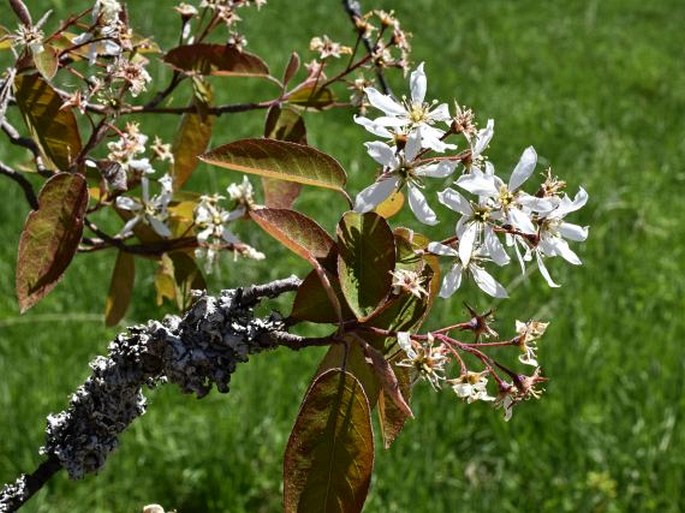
point(28, 143)
point(149, 248)
point(354, 11)
point(23, 183)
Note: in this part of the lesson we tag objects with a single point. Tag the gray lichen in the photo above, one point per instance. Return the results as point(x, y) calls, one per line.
point(197, 352)
point(13, 495)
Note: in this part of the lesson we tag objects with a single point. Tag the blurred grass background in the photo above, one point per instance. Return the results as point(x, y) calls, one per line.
point(599, 89)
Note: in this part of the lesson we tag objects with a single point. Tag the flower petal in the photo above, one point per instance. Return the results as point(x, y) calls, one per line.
point(573, 232)
point(440, 249)
point(521, 221)
point(159, 226)
point(384, 102)
point(545, 272)
point(373, 127)
point(442, 169)
point(487, 283)
point(495, 248)
point(419, 205)
point(367, 199)
point(455, 201)
point(382, 153)
point(418, 84)
point(466, 242)
point(524, 168)
point(452, 281)
point(477, 182)
point(483, 138)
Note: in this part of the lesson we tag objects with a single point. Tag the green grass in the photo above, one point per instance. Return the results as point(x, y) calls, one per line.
point(599, 89)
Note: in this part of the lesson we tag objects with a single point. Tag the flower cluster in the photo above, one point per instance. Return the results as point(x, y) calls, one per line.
point(494, 218)
point(428, 356)
point(149, 210)
point(501, 216)
point(211, 222)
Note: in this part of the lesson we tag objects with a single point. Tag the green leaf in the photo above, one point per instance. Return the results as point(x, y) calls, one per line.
point(329, 456)
point(219, 60)
point(54, 128)
point(392, 418)
point(311, 97)
point(285, 125)
point(120, 288)
point(279, 159)
point(50, 237)
point(312, 304)
point(191, 140)
point(46, 62)
point(299, 233)
point(366, 258)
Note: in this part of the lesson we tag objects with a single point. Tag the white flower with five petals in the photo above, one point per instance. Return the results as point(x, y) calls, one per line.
point(413, 115)
point(400, 168)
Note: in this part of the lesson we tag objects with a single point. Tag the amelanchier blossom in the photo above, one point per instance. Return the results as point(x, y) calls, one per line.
point(211, 224)
point(473, 267)
point(412, 115)
point(150, 210)
point(401, 169)
point(428, 360)
point(472, 386)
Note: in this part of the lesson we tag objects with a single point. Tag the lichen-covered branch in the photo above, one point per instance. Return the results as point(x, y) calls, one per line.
point(197, 352)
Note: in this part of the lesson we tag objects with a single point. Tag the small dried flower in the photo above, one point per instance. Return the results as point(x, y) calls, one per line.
point(407, 281)
point(328, 48)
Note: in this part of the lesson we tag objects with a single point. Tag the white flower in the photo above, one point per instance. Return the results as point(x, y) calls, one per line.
point(480, 142)
point(528, 334)
point(472, 386)
point(211, 220)
point(452, 280)
point(400, 169)
point(243, 194)
point(554, 231)
point(474, 227)
point(411, 116)
point(514, 205)
point(152, 211)
point(428, 360)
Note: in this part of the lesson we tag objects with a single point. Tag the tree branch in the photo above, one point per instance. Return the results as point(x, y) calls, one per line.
point(29, 193)
point(354, 11)
point(29, 144)
point(197, 352)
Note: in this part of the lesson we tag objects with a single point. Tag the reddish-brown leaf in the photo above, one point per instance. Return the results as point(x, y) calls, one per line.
point(213, 59)
point(191, 140)
point(284, 125)
point(279, 159)
point(329, 456)
point(291, 68)
point(299, 233)
point(50, 237)
point(392, 418)
point(54, 128)
point(350, 357)
point(120, 288)
point(312, 302)
point(386, 375)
